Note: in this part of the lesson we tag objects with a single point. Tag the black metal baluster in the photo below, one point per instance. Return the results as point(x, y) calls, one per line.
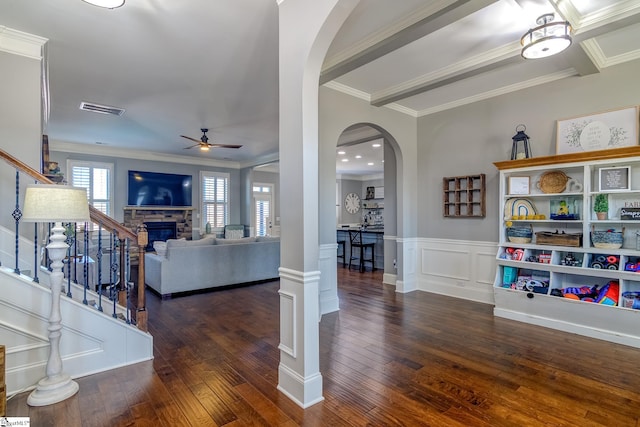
point(99, 261)
point(36, 266)
point(75, 253)
point(126, 283)
point(17, 214)
point(85, 263)
point(114, 267)
point(69, 241)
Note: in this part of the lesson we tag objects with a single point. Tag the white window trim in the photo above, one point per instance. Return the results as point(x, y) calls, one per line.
point(71, 163)
point(203, 174)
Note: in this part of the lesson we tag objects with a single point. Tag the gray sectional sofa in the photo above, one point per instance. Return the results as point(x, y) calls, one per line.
point(190, 265)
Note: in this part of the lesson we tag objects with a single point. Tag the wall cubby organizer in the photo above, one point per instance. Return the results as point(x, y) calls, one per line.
point(464, 196)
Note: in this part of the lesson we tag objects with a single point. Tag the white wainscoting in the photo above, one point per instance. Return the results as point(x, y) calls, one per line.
point(457, 268)
point(91, 341)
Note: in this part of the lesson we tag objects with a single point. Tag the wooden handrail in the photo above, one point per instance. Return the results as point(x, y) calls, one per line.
point(110, 225)
point(96, 216)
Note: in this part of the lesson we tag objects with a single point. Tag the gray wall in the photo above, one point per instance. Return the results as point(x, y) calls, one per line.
point(350, 186)
point(337, 112)
point(20, 118)
point(123, 165)
point(467, 140)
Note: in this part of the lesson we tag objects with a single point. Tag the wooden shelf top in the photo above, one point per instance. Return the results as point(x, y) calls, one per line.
point(613, 153)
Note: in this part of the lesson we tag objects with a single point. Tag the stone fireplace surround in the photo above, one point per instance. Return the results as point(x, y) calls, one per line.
point(137, 215)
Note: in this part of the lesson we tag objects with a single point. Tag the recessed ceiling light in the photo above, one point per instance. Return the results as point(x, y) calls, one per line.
point(376, 145)
point(358, 156)
point(342, 153)
point(345, 160)
point(109, 4)
point(370, 164)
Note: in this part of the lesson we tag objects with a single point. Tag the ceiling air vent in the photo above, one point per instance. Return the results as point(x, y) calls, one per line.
point(103, 109)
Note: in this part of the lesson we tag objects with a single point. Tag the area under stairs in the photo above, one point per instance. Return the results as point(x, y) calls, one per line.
point(92, 341)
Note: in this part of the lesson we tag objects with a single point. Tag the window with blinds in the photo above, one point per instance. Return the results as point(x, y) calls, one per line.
point(215, 198)
point(97, 179)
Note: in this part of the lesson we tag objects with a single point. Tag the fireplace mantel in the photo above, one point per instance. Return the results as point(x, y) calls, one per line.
point(133, 209)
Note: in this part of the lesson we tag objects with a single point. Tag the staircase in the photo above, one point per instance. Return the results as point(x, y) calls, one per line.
point(102, 329)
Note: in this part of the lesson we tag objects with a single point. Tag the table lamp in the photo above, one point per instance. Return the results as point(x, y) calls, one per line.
point(55, 203)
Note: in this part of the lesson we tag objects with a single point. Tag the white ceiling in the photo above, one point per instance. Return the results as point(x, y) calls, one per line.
point(177, 66)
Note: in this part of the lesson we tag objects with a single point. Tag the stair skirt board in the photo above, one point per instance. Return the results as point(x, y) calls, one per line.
point(91, 342)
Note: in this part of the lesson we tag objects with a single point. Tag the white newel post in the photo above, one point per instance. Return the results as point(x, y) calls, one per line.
point(307, 28)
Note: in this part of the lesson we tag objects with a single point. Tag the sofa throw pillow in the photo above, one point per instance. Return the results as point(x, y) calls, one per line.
point(176, 243)
point(234, 234)
point(160, 248)
point(235, 241)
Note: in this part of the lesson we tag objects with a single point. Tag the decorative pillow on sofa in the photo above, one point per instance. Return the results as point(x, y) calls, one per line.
point(268, 239)
point(160, 248)
point(235, 241)
point(207, 241)
point(234, 234)
point(176, 243)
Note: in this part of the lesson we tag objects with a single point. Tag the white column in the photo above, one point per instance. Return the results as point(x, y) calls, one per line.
point(307, 28)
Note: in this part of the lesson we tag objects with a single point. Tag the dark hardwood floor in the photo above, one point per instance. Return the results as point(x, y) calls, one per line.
point(386, 359)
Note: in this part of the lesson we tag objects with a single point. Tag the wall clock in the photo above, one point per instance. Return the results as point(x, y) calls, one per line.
point(352, 203)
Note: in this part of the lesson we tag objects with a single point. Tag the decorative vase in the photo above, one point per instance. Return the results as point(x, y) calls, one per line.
point(601, 215)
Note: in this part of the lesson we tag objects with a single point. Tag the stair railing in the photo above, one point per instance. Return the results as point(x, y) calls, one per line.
point(120, 244)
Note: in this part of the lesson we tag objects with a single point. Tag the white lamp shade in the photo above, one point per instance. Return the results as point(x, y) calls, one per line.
point(55, 203)
point(109, 4)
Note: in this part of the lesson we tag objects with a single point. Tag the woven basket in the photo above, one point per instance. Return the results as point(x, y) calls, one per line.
point(519, 234)
point(553, 182)
point(558, 239)
point(609, 239)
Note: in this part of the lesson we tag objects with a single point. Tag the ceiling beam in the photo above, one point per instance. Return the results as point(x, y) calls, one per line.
point(578, 55)
point(390, 95)
point(581, 56)
point(440, 19)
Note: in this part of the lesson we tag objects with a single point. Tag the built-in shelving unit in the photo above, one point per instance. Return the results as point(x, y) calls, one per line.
point(560, 280)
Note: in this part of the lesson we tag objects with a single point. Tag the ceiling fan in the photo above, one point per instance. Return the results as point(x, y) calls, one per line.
point(204, 143)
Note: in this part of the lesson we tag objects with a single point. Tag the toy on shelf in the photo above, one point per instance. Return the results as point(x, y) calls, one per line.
point(607, 295)
point(632, 266)
point(514, 254)
point(609, 262)
point(571, 261)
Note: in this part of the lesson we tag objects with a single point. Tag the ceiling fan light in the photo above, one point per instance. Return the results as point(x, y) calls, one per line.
point(109, 4)
point(547, 39)
point(204, 147)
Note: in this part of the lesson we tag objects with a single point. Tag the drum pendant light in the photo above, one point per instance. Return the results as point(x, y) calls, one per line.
point(109, 4)
point(547, 39)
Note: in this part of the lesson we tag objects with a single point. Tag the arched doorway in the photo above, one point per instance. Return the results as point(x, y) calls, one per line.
point(378, 213)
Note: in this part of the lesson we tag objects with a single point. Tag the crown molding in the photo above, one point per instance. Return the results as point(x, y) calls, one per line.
point(348, 90)
point(119, 152)
point(620, 10)
point(352, 177)
point(500, 91)
point(593, 49)
point(262, 160)
point(20, 43)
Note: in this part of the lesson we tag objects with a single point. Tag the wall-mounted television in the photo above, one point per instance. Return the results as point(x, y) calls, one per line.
point(158, 189)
